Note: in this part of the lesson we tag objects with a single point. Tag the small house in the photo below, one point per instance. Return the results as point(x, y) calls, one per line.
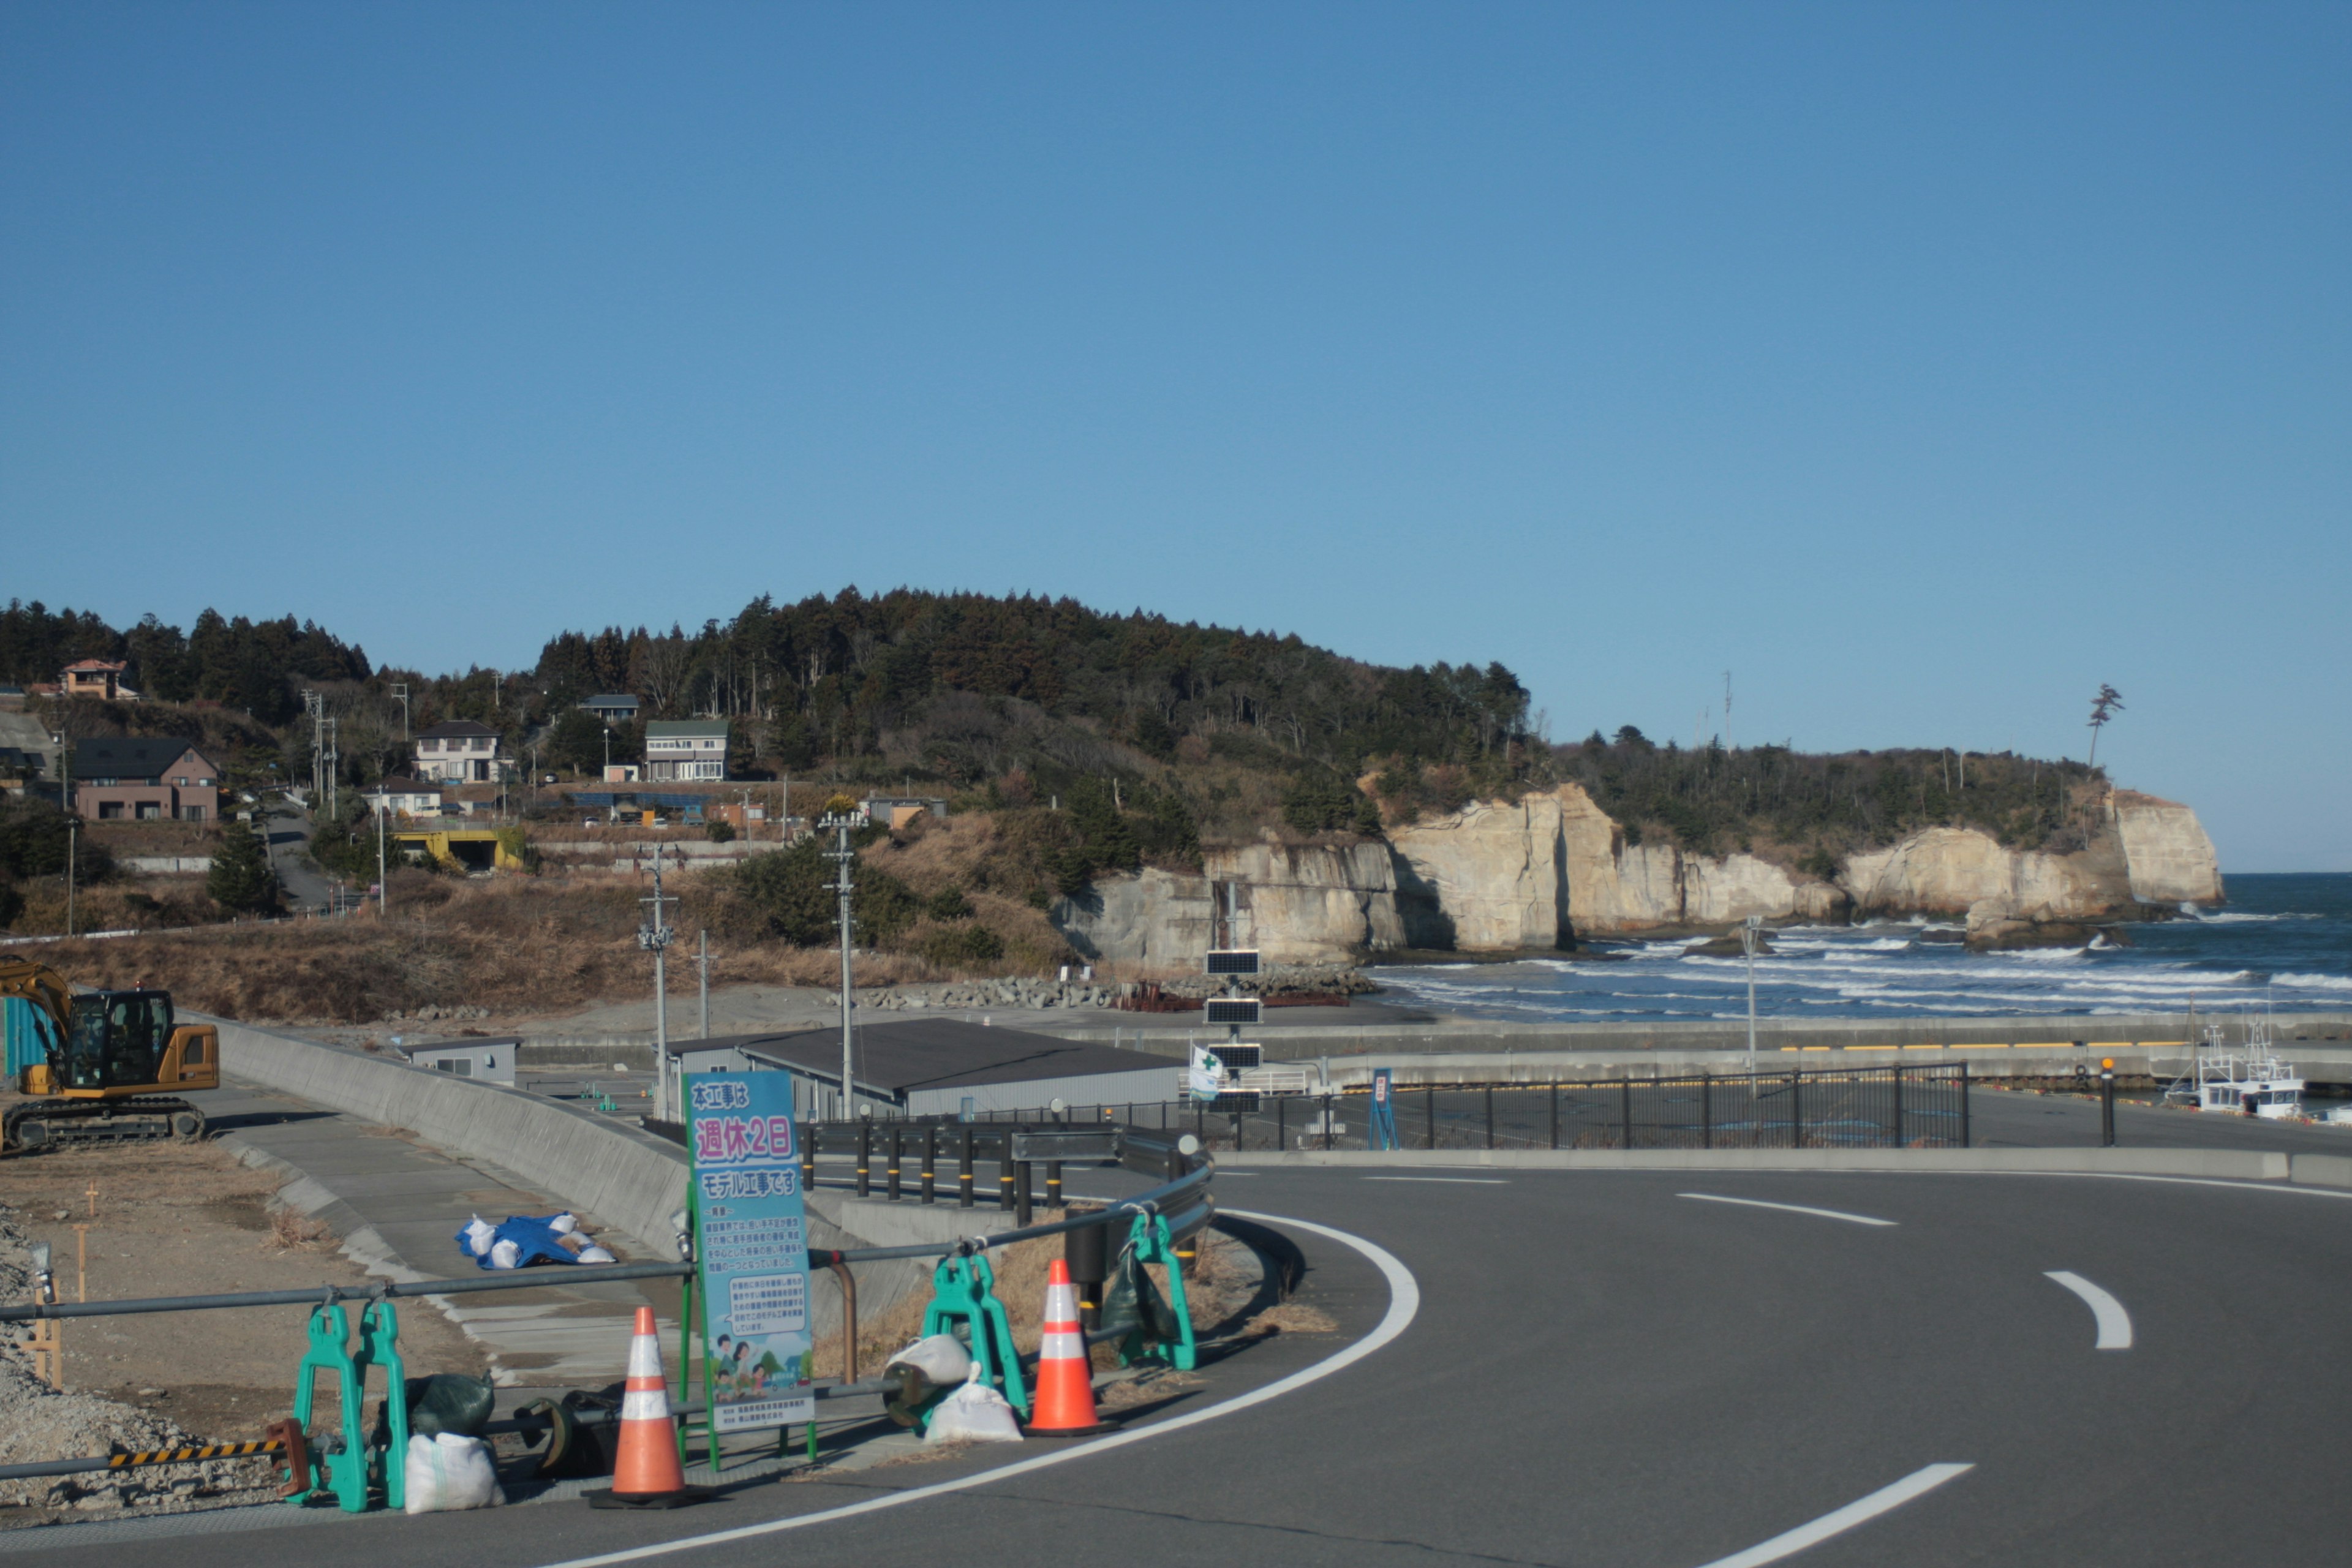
point(685, 749)
point(491, 1059)
point(612, 707)
point(461, 751)
point(404, 797)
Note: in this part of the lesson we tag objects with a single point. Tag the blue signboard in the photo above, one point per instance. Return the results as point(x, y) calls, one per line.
point(752, 1250)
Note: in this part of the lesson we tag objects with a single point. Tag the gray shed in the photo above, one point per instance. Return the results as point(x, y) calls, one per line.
point(491, 1059)
point(947, 1067)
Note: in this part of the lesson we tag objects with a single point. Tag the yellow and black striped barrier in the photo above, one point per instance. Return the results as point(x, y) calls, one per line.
point(123, 1461)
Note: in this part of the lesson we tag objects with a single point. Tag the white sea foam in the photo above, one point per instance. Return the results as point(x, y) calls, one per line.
point(2315, 982)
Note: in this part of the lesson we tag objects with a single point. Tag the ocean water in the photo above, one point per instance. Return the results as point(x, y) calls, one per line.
point(2282, 940)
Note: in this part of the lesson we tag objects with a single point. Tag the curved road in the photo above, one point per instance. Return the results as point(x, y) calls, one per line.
point(1624, 1369)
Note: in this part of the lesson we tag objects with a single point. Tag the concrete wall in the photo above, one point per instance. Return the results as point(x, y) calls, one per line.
point(624, 1177)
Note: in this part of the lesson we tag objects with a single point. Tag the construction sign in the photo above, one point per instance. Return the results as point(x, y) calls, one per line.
point(751, 1237)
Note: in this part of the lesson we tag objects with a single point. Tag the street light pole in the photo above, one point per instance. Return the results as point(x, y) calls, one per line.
point(841, 855)
point(1749, 933)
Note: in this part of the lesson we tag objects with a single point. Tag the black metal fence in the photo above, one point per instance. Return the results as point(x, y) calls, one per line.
point(1861, 1108)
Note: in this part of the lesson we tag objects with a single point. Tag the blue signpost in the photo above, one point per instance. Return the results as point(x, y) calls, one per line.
point(751, 1251)
point(1383, 1132)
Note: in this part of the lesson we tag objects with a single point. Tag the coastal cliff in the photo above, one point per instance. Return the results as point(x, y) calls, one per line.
point(1543, 871)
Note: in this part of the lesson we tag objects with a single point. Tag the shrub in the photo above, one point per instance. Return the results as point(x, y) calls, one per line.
point(949, 904)
point(719, 832)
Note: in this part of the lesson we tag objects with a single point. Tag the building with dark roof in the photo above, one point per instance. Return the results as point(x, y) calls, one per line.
point(144, 778)
point(612, 707)
point(941, 1066)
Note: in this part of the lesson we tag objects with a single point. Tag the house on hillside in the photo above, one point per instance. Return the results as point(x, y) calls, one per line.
point(97, 678)
point(144, 778)
point(685, 749)
point(461, 751)
point(612, 707)
point(405, 797)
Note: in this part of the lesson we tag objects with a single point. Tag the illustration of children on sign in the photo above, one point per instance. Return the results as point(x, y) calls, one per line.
point(747, 1367)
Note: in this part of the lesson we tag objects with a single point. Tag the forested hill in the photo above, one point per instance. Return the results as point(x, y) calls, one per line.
point(1006, 701)
point(836, 674)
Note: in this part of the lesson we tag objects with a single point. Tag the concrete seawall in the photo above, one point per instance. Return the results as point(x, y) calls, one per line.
point(623, 1176)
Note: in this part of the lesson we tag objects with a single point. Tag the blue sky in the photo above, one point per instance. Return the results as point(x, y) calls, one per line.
point(1923, 366)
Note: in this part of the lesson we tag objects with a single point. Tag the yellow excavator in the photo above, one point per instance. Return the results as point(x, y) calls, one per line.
point(114, 1063)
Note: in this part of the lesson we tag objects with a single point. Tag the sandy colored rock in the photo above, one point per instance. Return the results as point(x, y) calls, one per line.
point(1297, 903)
point(2170, 858)
point(1485, 878)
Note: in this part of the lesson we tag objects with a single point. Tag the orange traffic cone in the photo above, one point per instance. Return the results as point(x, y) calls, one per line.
point(645, 1468)
point(1064, 1406)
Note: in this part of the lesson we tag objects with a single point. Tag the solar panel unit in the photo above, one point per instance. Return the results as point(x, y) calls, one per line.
point(1231, 1010)
point(1232, 960)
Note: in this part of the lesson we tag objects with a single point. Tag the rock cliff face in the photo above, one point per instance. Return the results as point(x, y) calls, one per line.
point(2170, 858)
point(1540, 871)
point(1296, 903)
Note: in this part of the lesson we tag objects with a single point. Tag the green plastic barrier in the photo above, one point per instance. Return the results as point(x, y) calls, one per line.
point(347, 1474)
point(962, 1292)
point(1150, 1242)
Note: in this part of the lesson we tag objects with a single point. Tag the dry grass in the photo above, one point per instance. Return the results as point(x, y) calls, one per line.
point(297, 1232)
point(516, 945)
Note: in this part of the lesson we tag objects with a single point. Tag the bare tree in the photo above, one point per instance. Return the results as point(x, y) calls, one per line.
point(2104, 707)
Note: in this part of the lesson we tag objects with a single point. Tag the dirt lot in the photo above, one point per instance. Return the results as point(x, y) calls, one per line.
point(173, 1219)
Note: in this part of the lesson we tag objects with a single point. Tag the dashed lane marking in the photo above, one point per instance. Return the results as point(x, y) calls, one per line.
point(1917, 1484)
point(2115, 1323)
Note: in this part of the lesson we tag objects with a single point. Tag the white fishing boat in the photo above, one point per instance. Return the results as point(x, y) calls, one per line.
point(2249, 1081)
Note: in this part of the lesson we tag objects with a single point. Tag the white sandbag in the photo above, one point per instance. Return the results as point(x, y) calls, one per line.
point(477, 1235)
point(594, 1253)
point(941, 1359)
point(505, 1255)
point(564, 1224)
point(448, 1472)
point(972, 1414)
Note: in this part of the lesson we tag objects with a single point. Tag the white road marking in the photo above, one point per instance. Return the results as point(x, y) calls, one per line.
point(1456, 1181)
point(2115, 1323)
point(1787, 1209)
point(1918, 1483)
point(1405, 1303)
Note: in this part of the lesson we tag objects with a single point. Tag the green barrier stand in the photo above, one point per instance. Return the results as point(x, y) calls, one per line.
point(343, 1474)
point(1152, 1243)
point(380, 1346)
point(962, 1292)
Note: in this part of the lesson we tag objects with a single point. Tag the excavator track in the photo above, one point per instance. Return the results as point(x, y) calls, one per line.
point(38, 1126)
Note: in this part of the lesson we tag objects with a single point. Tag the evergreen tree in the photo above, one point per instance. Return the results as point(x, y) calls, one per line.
point(241, 880)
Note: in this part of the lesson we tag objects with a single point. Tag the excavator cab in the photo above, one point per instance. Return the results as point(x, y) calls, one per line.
point(118, 1040)
point(111, 1061)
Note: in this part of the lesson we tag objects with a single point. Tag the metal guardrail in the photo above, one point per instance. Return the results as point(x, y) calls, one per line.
point(1184, 1201)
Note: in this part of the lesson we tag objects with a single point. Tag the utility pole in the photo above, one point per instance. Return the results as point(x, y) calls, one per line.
point(843, 824)
point(383, 879)
point(702, 962)
point(312, 705)
point(1727, 710)
point(334, 770)
point(400, 690)
point(73, 818)
point(655, 937)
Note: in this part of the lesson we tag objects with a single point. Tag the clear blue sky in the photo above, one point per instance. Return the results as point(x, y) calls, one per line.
point(1923, 366)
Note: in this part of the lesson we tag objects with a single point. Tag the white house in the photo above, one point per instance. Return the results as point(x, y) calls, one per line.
point(405, 797)
point(461, 752)
point(685, 749)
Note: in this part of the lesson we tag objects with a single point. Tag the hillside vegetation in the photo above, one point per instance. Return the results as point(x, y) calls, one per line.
point(1070, 742)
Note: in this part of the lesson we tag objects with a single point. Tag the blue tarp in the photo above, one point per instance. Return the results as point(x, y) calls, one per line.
point(534, 1238)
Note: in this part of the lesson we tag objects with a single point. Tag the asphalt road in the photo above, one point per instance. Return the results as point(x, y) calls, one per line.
point(1598, 1370)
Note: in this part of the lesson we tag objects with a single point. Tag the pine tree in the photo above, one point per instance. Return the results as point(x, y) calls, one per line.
point(241, 880)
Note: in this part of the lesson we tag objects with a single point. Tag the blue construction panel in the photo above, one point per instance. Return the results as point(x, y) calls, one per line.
point(23, 1044)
